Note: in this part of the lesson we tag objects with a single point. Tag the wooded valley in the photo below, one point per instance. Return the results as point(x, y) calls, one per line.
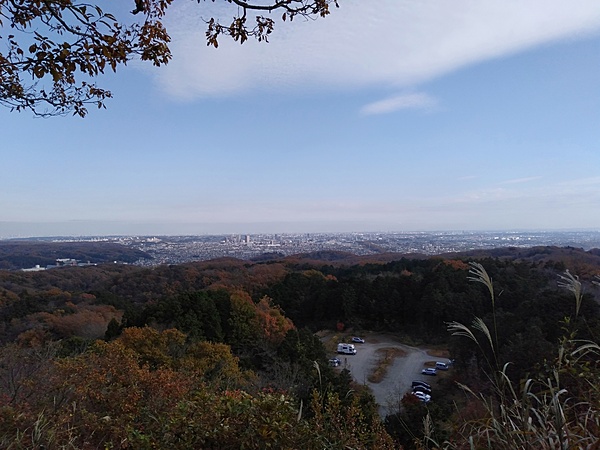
point(219, 353)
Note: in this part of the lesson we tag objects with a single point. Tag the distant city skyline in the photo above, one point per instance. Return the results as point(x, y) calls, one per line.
point(165, 249)
point(77, 229)
point(387, 115)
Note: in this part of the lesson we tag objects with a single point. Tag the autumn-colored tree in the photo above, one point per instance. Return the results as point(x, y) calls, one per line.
point(203, 361)
point(52, 48)
point(153, 348)
point(214, 364)
point(228, 421)
point(20, 370)
point(349, 426)
point(7, 297)
point(55, 293)
point(244, 327)
point(113, 391)
point(272, 321)
point(83, 320)
point(457, 264)
point(274, 420)
point(112, 397)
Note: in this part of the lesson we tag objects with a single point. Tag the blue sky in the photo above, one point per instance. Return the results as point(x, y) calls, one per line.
point(389, 116)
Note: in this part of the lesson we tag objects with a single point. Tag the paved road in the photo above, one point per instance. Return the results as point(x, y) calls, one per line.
point(400, 373)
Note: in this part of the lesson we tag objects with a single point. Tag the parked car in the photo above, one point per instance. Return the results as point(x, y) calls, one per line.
point(358, 340)
point(429, 371)
point(442, 365)
point(422, 390)
point(334, 362)
point(423, 397)
point(421, 383)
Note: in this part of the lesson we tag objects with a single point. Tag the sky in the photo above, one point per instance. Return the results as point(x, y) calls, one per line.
point(387, 115)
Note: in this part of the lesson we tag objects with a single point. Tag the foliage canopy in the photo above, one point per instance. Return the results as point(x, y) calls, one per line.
point(213, 354)
point(52, 49)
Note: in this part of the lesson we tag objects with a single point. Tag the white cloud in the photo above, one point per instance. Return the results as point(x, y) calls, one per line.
point(397, 43)
point(520, 180)
point(407, 101)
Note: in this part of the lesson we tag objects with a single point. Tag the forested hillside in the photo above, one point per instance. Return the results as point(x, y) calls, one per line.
point(17, 254)
point(215, 353)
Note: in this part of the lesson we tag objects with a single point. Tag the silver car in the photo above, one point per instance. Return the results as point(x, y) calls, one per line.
point(425, 398)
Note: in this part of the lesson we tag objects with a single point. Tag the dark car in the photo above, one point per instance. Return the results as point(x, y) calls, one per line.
point(334, 362)
point(421, 383)
point(422, 389)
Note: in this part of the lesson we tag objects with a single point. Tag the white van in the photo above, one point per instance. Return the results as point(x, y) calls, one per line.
point(346, 349)
point(442, 365)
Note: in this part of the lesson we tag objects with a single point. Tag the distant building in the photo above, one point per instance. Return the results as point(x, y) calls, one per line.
point(37, 268)
point(66, 262)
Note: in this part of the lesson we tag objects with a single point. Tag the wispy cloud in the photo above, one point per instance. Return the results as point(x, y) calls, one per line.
point(398, 43)
point(520, 180)
point(396, 103)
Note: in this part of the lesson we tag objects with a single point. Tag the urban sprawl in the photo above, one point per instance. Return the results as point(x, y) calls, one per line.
point(181, 249)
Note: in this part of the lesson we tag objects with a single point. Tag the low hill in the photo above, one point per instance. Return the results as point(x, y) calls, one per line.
point(580, 261)
point(22, 254)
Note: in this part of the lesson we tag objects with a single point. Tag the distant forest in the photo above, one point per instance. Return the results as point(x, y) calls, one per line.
point(239, 335)
point(22, 254)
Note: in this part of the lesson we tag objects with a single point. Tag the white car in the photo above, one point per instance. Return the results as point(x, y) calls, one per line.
point(429, 371)
point(358, 340)
point(442, 365)
point(425, 398)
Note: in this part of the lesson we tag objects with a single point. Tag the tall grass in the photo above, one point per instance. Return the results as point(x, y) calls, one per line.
point(542, 413)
